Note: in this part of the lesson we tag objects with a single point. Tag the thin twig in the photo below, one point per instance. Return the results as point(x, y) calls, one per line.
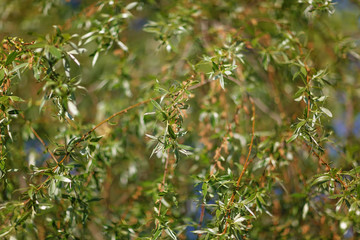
point(308, 87)
point(164, 179)
point(44, 144)
point(40, 139)
point(246, 164)
point(202, 215)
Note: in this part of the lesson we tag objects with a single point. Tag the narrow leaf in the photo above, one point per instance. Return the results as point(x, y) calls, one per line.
point(95, 58)
point(293, 137)
point(11, 58)
point(171, 132)
point(74, 59)
point(170, 233)
point(131, 5)
point(55, 52)
point(156, 105)
point(222, 83)
point(321, 179)
point(2, 74)
point(122, 46)
point(62, 178)
point(326, 111)
point(303, 71)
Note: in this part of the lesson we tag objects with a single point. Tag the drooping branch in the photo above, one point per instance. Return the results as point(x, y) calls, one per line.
point(88, 133)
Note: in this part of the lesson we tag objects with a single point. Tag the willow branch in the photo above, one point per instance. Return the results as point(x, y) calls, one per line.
point(246, 164)
point(328, 167)
point(83, 137)
point(88, 133)
point(164, 179)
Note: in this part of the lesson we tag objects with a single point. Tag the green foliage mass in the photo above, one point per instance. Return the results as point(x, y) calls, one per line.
point(179, 119)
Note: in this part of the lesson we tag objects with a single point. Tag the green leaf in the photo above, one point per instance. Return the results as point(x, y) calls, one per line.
point(215, 67)
point(74, 58)
point(326, 111)
point(11, 58)
point(170, 233)
point(18, 67)
point(2, 165)
point(266, 61)
point(73, 142)
point(199, 232)
point(171, 132)
point(23, 218)
point(156, 105)
point(157, 234)
point(305, 210)
point(2, 74)
point(222, 83)
point(131, 5)
point(4, 99)
point(62, 178)
point(293, 137)
point(300, 92)
point(5, 231)
point(298, 195)
point(177, 154)
point(321, 179)
point(52, 188)
point(96, 56)
point(303, 71)
point(122, 46)
point(96, 139)
point(55, 52)
point(300, 124)
point(185, 147)
point(204, 189)
point(296, 75)
point(16, 99)
point(151, 136)
point(95, 199)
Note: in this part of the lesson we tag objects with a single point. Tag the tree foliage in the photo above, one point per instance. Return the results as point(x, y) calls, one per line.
point(179, 119)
